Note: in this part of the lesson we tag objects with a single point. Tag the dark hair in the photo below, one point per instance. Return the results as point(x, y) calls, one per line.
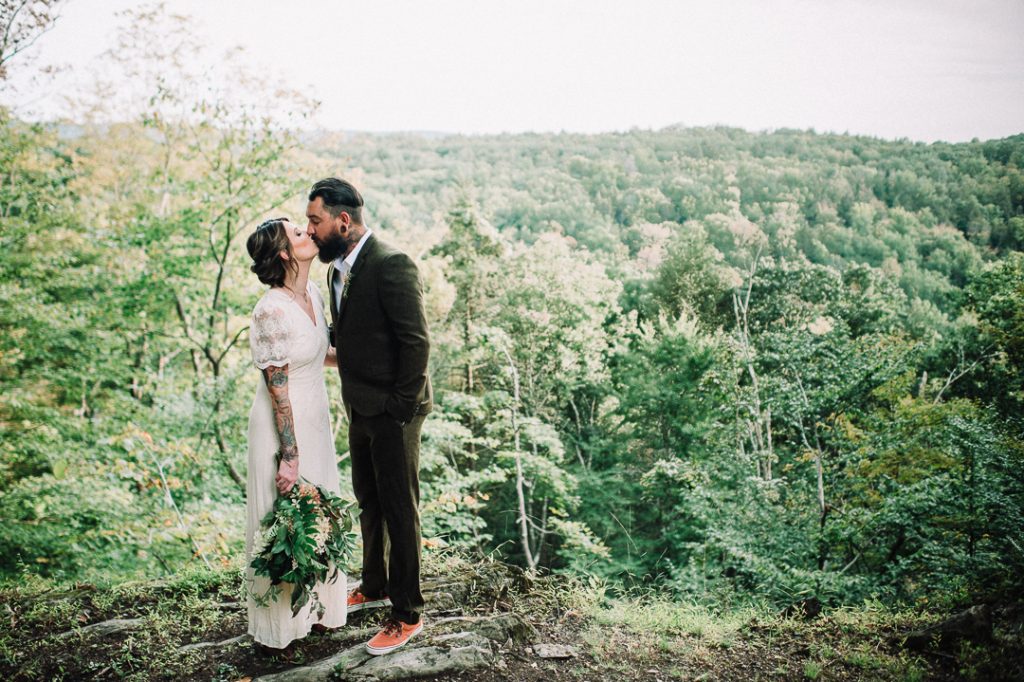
point(265, 245)
point(339, 195)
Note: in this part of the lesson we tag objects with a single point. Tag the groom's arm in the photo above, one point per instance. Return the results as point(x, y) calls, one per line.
point(401, 295)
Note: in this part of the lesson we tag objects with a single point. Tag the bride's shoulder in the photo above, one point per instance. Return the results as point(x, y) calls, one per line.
point(271, 304)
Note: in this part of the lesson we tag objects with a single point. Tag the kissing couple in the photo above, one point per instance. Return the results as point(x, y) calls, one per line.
point(379, 343)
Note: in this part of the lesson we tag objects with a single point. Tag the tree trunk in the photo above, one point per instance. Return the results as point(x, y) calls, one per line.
point(524, 523)
point(760, 420)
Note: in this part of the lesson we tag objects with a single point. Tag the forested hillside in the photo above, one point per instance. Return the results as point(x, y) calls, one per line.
point(727, 366)
point(732, 365)
point(770, 364)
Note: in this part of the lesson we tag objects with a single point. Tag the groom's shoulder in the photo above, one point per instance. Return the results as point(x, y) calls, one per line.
point(384, 249)
point(385, 252)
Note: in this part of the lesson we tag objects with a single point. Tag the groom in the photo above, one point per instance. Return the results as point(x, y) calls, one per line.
point(380, 333)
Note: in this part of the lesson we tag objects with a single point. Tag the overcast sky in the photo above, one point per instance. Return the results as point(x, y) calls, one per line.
point(923, 69)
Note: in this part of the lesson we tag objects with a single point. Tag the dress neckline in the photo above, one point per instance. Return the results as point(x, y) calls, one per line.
point(315, 320)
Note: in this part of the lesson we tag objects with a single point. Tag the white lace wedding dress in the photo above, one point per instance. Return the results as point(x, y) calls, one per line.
point(283, 334)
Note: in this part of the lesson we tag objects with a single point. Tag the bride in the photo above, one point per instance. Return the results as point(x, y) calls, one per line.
point(289, 416)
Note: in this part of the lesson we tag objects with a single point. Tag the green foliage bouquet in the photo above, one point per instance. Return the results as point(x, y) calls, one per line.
point(303, 540)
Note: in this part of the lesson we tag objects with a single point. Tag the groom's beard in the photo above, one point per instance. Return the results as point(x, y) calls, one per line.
point(331, 248)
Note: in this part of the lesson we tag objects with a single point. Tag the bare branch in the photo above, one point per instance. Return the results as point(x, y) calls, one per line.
point(231, 343)
point(955, 376)
point(21, 31)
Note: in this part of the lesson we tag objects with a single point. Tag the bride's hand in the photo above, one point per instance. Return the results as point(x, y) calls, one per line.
point(287, 475)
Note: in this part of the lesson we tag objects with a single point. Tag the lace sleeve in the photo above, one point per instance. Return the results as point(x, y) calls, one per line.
point(270, 336)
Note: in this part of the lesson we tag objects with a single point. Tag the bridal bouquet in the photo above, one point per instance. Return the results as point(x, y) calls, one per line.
point(303, 540)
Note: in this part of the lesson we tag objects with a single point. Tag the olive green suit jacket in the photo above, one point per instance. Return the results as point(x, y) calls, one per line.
point(380, 332)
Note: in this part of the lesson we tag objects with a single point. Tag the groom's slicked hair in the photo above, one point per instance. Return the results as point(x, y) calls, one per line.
point(339, 195)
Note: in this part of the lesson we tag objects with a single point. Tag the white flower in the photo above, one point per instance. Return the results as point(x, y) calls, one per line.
point(323, 533)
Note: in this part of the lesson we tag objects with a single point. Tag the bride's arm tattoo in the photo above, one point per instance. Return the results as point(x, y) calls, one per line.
point(277, 385)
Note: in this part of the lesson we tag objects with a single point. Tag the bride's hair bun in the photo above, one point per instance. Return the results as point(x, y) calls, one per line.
point(265, 245)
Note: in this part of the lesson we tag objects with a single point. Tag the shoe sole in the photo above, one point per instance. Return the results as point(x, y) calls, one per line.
point(380, 651)
point(369, 605)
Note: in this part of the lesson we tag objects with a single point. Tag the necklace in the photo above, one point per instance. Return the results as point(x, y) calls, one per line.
point(294, 295)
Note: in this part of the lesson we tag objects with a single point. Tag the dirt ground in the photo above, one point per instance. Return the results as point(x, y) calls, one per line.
point(621, 640)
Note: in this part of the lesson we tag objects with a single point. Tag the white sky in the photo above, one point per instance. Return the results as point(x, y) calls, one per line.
point(923, 69)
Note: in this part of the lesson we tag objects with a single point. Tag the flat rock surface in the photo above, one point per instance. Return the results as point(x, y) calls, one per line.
point(545, 650)
point(428, 653)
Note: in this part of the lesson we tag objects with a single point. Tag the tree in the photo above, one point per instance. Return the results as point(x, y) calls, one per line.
point(692, 277)
point(222, 163)
point(528, 341)
point(994, 354)
point(472, 249)
point(22, 23)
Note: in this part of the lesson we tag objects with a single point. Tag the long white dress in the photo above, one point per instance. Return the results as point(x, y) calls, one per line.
point(283, 334)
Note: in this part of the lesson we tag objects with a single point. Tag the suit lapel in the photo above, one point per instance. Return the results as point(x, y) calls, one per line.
point(364, 255)
point(330, 294)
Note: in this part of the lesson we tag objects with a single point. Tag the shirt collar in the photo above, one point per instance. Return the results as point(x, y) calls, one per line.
point(348, 261)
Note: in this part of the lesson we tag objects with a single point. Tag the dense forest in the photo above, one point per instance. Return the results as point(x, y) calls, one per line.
point(731, 366)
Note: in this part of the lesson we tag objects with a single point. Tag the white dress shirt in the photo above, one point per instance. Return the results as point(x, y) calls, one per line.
point(344, 265)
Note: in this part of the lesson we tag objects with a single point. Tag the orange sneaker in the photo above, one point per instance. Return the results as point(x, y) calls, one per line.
point(357, 601)
point(395, 634)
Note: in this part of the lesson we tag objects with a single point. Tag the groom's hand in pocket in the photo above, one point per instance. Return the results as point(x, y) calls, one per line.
point(394, 408)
